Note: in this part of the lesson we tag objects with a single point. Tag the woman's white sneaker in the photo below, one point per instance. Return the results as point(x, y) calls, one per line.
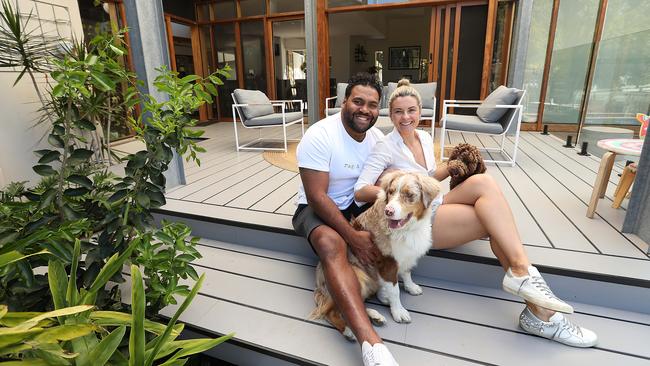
point(533, 288)
point(558, 328)
point(377, 355)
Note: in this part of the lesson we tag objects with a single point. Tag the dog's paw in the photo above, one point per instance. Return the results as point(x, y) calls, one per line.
point(413, 289)
point(347, 333)
point(400, 314)
point(375, 317)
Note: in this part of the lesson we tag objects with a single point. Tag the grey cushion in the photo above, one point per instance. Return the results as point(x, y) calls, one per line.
point(272, 119)
point(511, 112)
point(501, 95)
point(426, 113)
point(331, 111)
point(427, 93)
point(384, 97)
point(462, 122)
point(260, 103)
point(340, 93)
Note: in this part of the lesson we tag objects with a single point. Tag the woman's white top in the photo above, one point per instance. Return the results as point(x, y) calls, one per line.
point(392, 152)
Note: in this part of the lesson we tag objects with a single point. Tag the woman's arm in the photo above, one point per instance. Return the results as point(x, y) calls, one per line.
point(367, 193)
point(379, 160)
point(441, 173)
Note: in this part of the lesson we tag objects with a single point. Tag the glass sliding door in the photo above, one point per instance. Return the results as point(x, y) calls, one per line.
point(569, 62)
point(536, 57)
point(621, 82)
point(253, 55)
point(289, 62)
point(392, 42)
point(207, 61)
point(226, 53)
point(471, 46)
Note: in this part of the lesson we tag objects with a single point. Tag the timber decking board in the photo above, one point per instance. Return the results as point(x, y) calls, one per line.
point(214, 247)
point(248, 184)
point(289, 207)
point(445, 323)
point(263, 190)
point(591, 162)
point(558, 187)
point(214, 176)
point(279, 197)
point(569, 163)
point(582, 191)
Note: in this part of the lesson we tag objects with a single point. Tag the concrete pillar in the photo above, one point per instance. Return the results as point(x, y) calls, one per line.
point(637, 217)
point(148, 37)
point(311, 38)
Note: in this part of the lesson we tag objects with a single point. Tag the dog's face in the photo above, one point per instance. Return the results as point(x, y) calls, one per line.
point(408, 196)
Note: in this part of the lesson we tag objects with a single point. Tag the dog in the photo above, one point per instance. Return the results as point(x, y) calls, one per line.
point(465, 160)
point(400, 223)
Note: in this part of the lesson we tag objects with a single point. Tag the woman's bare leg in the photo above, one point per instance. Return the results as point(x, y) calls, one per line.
point(457, 224)
point(483, 194)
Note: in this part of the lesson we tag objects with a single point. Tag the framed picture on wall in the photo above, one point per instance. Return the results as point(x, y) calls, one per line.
point(404, 57)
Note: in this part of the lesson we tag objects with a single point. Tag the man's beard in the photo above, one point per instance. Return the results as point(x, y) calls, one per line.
point(348, 119)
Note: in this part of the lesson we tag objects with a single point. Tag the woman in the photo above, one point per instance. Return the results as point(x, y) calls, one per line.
point(474, 209)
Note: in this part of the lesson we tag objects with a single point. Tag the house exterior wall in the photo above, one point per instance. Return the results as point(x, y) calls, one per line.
point(19, 104)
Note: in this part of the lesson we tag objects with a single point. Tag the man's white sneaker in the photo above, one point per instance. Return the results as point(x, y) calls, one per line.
point(558, 328)
point(377, 355)
point(533, 288)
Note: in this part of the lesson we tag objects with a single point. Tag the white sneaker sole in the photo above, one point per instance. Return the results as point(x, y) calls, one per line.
point(578, 345)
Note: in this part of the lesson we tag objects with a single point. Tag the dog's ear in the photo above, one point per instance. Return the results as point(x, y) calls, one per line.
point(381, 196)
point(430, 189)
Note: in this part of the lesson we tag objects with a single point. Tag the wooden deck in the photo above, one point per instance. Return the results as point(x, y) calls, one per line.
point(548, 191)
point(265, 296)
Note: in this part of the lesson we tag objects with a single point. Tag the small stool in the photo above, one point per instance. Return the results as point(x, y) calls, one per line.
point(627, 178)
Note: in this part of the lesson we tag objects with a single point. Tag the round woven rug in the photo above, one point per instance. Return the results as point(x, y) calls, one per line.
point(286, 161)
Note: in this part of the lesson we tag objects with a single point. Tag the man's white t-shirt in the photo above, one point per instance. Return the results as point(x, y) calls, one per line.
point(327, 147)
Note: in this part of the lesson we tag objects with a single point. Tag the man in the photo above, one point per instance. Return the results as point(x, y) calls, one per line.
point(330, 157)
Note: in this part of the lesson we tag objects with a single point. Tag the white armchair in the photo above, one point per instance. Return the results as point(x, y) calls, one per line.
point(254, 110)
point(511, 113)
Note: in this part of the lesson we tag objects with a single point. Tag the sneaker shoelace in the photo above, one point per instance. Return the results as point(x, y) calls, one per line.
point(570, 327)
point(539, 283)
point(369, 359)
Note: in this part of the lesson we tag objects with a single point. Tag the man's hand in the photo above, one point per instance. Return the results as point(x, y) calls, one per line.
point(363, 248)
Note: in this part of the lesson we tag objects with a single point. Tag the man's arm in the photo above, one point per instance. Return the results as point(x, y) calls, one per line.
point(315, 184)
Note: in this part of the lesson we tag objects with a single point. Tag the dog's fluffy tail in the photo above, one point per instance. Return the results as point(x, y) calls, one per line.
point(322, 297)
point(324, 304)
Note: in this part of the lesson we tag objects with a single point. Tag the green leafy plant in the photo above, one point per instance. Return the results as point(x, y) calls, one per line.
point(79, 199)
point(166, 259)
point(78, 334)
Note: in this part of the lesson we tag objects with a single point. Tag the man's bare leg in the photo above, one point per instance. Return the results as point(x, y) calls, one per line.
point(342, 282)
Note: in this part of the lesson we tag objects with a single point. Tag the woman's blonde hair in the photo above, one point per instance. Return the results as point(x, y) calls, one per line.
point(404, 89)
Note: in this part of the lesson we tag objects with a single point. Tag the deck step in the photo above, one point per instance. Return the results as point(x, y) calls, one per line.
point(612, 282)
point(265, 296)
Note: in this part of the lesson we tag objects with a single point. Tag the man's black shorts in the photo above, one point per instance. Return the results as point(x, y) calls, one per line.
point(305, 219)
